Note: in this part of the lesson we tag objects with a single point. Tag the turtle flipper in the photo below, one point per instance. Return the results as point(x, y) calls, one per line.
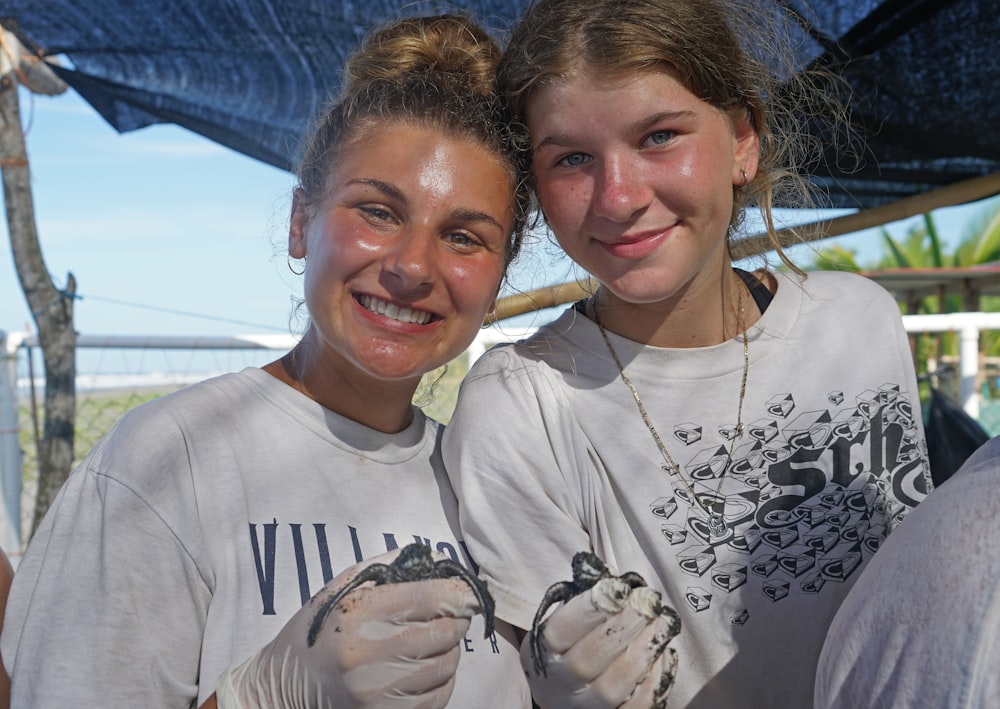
point(558, 592)
point(451, 569)
point(375, 572)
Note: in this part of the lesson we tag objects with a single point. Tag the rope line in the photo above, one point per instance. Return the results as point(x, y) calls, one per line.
point(171, 311)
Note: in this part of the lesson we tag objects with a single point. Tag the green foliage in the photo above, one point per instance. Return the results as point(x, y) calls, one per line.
point(837, 258)
point(438, 392)
point(980, 241)
point(97, 412)
point(922, 248)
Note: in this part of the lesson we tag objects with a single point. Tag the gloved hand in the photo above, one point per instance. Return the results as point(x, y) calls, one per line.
point(606, 647)
point(394, 646)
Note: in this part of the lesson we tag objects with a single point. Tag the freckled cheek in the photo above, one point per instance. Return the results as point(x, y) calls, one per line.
point(707, 175)
point(565, 206)
point(688, 191)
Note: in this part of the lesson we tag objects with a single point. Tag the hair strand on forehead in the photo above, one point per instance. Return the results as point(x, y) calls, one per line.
point(737, 55)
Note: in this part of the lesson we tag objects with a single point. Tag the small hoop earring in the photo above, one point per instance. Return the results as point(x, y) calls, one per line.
point(745, 178)
point(288, 260)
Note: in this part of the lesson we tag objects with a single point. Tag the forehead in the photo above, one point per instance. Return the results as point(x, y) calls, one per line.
point(588, 94)
point(373, 128)
point(588, 76)
point(428, 169)
point(413, 152)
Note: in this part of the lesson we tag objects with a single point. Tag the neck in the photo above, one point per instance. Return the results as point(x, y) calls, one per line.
point(699, 315)
point(715, 521)
point(330, 380)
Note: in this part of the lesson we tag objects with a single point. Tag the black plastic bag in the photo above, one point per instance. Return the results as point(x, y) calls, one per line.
point(952, 436)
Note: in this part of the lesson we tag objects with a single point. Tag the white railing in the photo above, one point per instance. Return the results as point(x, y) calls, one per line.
point(967, 325)
point(13, 343)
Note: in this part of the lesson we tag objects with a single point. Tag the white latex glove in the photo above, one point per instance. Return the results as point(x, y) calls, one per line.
point(604, 648)
point(394, 646)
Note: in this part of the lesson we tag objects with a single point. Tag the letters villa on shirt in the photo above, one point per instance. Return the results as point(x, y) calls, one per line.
point(269, 539)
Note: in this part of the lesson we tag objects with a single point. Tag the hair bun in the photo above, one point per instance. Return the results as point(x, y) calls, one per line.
point(451, 47)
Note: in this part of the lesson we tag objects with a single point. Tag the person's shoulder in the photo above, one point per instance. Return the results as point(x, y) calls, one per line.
point(540, 346)
point(157, 429)
point(841, 281)
point(985, 459)
point(183, 402)
point(845, 289)
point(500, 358)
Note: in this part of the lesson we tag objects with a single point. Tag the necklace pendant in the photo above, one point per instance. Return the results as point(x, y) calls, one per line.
point(716, 524)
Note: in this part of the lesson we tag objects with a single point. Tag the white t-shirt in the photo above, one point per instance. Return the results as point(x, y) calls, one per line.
point(921, 627)
point(548, 455)
point(200, 525)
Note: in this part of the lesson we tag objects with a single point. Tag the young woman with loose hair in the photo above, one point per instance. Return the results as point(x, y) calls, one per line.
point(742, 440)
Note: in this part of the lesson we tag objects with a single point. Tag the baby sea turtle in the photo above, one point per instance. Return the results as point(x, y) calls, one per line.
point(588, 569)
point(414, 563)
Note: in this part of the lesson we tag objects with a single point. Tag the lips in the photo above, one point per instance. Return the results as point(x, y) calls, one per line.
point(635, 246)
point(394, 312)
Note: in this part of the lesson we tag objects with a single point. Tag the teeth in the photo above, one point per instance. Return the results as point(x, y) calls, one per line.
point(390, 310)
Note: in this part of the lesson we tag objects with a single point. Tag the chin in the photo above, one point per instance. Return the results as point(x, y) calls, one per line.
point(403, 370)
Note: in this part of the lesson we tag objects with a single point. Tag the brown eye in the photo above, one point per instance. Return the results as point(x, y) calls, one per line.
point(461, 239)
point(378, 214)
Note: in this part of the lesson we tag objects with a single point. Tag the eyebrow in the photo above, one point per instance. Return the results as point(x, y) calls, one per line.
point(462, 214)
point(647, 123)
point(383, 187)
point(471, 215)
point(564, 139)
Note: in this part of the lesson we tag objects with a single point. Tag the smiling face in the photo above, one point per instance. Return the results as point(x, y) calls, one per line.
point(635, 175)
point(404, 255)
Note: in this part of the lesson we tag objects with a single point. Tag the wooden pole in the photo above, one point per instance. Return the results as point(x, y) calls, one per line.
point(51, 307)
point(959, 193)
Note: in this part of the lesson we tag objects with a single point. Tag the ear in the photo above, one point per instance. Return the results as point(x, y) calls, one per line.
point(491, 312)
point(297, 225)
point(746, 151)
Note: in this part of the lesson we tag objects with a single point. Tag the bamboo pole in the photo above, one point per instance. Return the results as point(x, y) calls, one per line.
point(951, 195)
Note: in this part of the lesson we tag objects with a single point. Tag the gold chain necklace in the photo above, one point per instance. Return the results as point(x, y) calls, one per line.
point(716, 521)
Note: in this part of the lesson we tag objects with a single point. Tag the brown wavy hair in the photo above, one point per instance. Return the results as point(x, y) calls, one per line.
point(729, 53)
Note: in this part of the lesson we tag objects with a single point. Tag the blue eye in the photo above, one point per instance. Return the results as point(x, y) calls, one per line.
point(575, 159)
point(660, 137)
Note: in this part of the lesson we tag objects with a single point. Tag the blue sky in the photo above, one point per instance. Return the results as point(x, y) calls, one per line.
point(160, 218)
point(168, 233)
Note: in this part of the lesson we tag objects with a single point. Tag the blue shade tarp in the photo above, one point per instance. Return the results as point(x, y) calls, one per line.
point(250, 73)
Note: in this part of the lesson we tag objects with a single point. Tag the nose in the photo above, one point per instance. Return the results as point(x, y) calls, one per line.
point(410, 260)
point(619, 190)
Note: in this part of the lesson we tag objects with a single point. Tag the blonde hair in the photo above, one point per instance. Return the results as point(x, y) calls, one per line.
point(435, 72)
point(729, 53)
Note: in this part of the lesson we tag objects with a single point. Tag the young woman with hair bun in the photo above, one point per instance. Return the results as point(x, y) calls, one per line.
point(195, 549)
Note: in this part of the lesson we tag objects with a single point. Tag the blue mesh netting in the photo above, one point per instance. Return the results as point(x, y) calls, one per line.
point(249, 73)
